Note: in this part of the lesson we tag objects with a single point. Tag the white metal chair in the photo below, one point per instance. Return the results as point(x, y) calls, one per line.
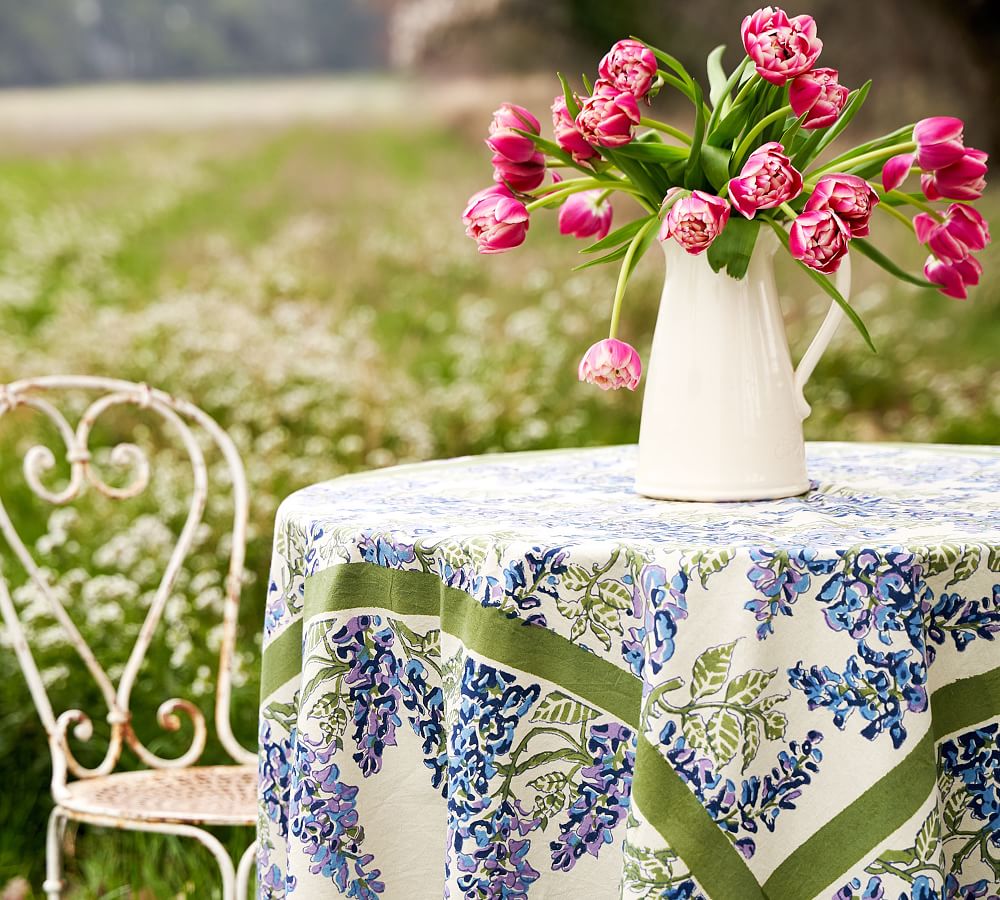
point(170, 796)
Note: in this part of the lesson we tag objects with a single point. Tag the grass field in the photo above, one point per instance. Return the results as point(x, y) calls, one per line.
point(305, 278)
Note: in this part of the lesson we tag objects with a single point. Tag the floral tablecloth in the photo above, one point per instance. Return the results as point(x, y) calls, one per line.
point(511, 677)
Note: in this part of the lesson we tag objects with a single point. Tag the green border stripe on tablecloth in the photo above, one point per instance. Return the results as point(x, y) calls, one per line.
point(966, 702)
point(667, 803)
point(674, 811)
point(854, 832)
point(282, 660)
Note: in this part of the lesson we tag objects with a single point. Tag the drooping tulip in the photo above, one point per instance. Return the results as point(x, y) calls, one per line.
point(568, 136)
point(953, 277)
point(819, 96)
point(504, 139)
point(695, 221)
point(819, 239)
point(963, 231)
point(950, 169)
point(586, 215)
point(630, 66)
point(520, 176)
point(495, 219)
point(852, 198)
point(780, 47)
point(940, 142)
point(611, 364)
point(962, 180)
point(608, 117)
point(766, 180)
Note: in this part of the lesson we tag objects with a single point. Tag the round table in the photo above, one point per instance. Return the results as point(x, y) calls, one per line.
point(512, 677)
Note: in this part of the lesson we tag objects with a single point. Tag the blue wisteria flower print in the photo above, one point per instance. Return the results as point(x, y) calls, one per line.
point(324, 820)
point(490, 856)
point(884, 601)
point(510, 678)
point(489, 707)
point(380, 550)
point(780, 576)
point(603, 794)
point(665, 605)
point(379, 668)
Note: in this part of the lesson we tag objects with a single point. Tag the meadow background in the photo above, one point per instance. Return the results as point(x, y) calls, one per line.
point(289, 255)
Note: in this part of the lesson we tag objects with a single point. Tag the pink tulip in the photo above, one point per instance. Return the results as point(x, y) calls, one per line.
point(505, 141)
point(962, 232)
point(819, 239)
point(609, 117)
point(611, 364)
point(895, 170)
point(962, 180)
point(953, 278)
point(852, 198)
point(941, 153)
point(819, 94)
point(585, 215)
point(568, 136)
point(520, 176)
point(495, 219)
point(766, 180)
point(630, 66)
point(781, 48)
point(939, 142)
point(695, 221)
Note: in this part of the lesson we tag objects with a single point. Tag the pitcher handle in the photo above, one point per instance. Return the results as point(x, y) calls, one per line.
point(823, 337)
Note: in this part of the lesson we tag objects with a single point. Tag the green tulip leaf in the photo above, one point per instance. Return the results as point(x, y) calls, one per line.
point(571, 105)
point(732, 249)
point(718, 87)
point(865, 248)
point(855, 101)
point(616, 237)
point(650, 151)
point(692, 174)
point(725, 132)
point(827, 287)
point(715, 165)
point(614, 256)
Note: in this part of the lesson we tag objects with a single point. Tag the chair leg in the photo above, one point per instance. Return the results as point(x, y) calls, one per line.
point(53, 885)
point(245, 871)
point(217, 850)
point(210, 841)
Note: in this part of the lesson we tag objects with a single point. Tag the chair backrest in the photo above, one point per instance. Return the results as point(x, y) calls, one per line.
point(177, 416)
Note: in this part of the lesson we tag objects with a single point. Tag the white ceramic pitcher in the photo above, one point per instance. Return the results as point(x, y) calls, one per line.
point(723, 407)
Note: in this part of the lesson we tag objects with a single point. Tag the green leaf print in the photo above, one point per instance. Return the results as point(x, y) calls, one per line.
point(724, 733)
point(562, 709)
point(711, 670)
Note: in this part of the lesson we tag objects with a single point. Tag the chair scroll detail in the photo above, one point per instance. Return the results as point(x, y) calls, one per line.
point(177, 417)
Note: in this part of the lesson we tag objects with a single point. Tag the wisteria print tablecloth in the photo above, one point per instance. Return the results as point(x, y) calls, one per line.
point(511, 677)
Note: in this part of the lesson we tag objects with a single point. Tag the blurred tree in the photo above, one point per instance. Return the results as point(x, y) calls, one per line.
point(50, 41)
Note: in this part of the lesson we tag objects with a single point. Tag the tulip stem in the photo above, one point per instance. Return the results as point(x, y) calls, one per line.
point(756, 131)
point(896, 214)
point(788, 211)
point(568, 188)
point(625, 272)
point(913, 201)
point(666, 129)
point(872, 156)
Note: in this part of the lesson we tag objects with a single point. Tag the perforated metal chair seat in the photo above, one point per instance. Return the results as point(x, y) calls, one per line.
point(200, 795)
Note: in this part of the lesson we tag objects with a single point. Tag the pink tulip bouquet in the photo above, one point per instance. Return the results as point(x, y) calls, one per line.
point(754, 159)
